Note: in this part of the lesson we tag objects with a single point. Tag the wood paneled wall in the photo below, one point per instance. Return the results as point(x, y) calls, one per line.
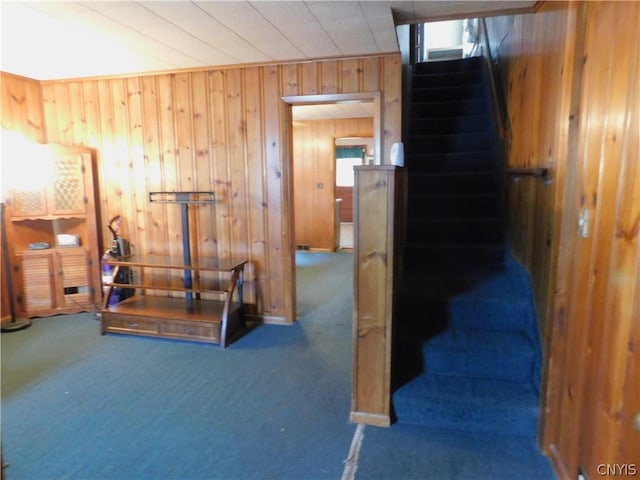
point(224, 130)
point(20, 114)
point(572, 72)
point(21, 107)
point(313, 164)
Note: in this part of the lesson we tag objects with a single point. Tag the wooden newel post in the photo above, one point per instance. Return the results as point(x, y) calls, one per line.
point(379, 213)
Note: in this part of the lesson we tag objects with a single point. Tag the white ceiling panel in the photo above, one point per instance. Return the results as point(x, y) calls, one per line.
point(67, 39)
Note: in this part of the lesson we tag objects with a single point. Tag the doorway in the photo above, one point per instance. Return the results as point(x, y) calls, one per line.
point(305, 109)
point(349, 152)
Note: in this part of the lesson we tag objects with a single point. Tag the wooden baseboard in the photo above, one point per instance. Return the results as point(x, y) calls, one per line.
point(267, 319)
point(375, 419)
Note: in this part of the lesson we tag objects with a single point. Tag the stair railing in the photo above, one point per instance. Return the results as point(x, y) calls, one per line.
point(499, 99)
point(536, 172)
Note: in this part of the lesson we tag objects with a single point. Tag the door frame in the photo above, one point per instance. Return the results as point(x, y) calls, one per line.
point(287, 103)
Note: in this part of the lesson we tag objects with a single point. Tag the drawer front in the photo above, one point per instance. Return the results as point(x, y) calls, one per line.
point(209, 332)
point(129, 324)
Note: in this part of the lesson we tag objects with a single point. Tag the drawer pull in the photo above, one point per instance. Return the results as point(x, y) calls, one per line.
point(133, 325)
point(189, 331)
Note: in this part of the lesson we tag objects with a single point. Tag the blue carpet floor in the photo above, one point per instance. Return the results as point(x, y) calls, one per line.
point(274, 405)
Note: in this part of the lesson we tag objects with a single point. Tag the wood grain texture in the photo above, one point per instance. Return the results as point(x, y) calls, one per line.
point(224, 130)
point(314, 177)
point(378, 191)
point(583, 125)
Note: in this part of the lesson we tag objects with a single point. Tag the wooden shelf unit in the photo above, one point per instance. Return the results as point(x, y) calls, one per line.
point(185, 318)
point(57, 197)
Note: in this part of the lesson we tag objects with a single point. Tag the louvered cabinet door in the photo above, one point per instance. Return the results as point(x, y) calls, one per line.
point(73, 278)
point(34, 283)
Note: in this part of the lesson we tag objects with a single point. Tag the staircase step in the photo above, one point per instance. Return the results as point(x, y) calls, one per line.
point(453, 259)
point(468, 404)
point(480, 354)
point(455, 231)
point(449, 66)
point(448, 93)
point(481, 160)
point(446, 79)
point(452, 125)
point(452, 108)
point(451, 183)
point(453, 206)
point(490, 314)
point(441, 143)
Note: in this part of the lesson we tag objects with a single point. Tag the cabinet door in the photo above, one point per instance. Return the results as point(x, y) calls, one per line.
point(34, 283)
point(68, 190)
point(73, 278)
point(28, 203)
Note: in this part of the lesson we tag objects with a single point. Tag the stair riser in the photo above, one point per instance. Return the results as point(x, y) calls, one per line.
point(469, 142)
point(502, 421)
point(452, 259)
point(444, 207)
point(448, 109)
point(452, 184)
point(449, 93)
point(446, 79)
point(449, 163)
point(479, 363)
point(489, 315)
point(453, 125)
point(463, 231)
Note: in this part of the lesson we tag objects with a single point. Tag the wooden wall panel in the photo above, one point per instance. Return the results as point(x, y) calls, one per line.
point(313, 164)
point(225, 130)
point(584, 126)
point(21, 111)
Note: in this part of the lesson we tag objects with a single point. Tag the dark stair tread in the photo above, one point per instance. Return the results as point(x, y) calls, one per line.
point(449, 66)
point(446, 78)
point(473, 123)
point(449, 108)
point(467, 162)
point(446, 93)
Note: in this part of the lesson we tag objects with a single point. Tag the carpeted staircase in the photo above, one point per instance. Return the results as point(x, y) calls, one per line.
point(467, 352)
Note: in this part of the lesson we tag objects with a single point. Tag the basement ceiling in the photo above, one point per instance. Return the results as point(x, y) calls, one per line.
point(49, 40)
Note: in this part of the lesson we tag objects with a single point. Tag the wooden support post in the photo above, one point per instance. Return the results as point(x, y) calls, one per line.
point(378, 233)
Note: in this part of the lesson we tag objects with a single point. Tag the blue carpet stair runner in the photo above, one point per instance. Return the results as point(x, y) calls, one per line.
point(467, 353)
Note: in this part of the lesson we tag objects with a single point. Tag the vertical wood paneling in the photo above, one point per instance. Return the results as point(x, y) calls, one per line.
point(371, 74)
point(255, 271)
point(22, 107)
point(274, 304)
point(329, 77)
point(224, 130)
point(309, 78)
point(290, 79)
point(583, 126)
point(350, 71)
point(392, 87)
point(314, 163)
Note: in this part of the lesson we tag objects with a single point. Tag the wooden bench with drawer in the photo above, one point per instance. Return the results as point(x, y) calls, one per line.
point(187, 316)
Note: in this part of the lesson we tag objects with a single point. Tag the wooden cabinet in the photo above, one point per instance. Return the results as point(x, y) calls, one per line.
point(52, 205)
